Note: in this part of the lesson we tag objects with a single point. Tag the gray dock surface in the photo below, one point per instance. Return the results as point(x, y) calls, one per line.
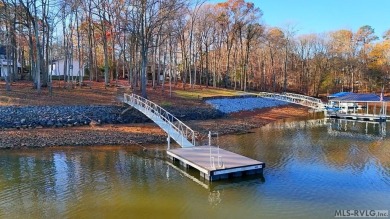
point(215, 164)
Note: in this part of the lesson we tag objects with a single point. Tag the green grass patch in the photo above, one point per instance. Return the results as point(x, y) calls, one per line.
point(4, 99)
point(198, 94)
point(165, 104)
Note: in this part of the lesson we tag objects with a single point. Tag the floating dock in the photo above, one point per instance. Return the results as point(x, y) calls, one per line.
point(214, 163)
point(361, 117)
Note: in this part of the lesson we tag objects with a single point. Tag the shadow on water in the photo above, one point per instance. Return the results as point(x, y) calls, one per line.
point(233, 182)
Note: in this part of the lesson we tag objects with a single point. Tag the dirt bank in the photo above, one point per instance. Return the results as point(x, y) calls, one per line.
point(244, 121)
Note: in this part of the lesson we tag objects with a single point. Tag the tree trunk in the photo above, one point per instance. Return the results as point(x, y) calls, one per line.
point(285, 69)
point(38, 62)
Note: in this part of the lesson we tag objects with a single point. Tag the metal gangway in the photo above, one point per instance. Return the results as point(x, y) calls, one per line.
point(299, 99)
point(175, 128)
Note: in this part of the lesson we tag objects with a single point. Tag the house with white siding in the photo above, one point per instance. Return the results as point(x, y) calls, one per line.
point(57, 68)
point(5, 64)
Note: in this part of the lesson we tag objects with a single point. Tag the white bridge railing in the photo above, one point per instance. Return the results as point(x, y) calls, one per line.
point(299, 99)
point(175, 128)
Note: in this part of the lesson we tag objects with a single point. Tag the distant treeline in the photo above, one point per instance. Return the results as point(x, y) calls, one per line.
point(194, 42)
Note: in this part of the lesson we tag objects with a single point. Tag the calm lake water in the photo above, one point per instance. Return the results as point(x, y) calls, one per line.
point(312, 169)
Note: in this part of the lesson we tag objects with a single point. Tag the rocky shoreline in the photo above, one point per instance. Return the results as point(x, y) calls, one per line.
point(243, 103)
point(42, 126)
point(45, 126)
point(76, 136)
point(29, 117)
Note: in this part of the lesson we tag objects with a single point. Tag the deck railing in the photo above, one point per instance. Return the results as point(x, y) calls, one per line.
point(148, 107)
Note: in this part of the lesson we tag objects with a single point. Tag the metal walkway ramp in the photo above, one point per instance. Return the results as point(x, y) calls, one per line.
point(311, 102)
point(175, 128)
point(201, 158)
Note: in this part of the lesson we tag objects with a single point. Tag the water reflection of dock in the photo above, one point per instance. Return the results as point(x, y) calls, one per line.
point(356, 128)
point(311, 123)
point(337, 127)
point(215, 185)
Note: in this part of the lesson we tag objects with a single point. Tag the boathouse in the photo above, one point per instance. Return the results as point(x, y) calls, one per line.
point(367, 107)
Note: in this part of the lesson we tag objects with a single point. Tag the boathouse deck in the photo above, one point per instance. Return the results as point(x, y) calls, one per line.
point(214, 163)
point(361, 117)
point(355, 106)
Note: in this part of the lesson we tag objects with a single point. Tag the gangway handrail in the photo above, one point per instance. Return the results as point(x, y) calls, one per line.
point(167, 117)
point(299, 99)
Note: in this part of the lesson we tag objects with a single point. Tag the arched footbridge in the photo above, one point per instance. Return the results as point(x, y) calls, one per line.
point(183, 134)
point(311, 102)
point(175, 128)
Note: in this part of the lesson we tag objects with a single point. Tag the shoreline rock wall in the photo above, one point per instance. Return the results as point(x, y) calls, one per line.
point(24, 117)
point(27, 117)
point(244, 103)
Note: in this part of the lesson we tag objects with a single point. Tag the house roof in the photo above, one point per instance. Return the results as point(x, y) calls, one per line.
point(354, 97)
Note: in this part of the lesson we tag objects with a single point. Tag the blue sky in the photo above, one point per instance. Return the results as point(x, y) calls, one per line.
point(319, 16)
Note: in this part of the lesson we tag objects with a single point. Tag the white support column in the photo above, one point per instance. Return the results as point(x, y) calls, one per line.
point(209, 138)
point(169, 142)
point(209, 135)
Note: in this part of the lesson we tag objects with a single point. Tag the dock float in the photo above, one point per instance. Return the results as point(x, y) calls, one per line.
point(361, 117)
point(214, 163)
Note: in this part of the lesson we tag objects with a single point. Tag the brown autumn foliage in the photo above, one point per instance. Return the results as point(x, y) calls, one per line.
point(220, 45)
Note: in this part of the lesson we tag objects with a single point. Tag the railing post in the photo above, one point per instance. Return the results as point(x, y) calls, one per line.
point(193, 139)
point(209, 138)
point(169, 142)
point(151, 109)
